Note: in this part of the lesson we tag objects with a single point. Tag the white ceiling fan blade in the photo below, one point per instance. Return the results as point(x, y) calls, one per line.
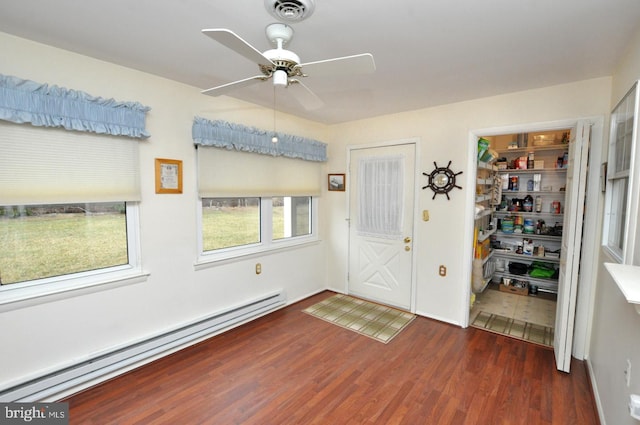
point(308, 99)
point(225, 88)
point(233, 41)
point(356, 64)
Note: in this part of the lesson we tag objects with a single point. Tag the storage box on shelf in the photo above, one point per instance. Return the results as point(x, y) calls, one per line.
point(518, 290)
point(483, 248)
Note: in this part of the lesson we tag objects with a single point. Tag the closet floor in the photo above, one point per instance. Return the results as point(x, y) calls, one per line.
point(539, 310)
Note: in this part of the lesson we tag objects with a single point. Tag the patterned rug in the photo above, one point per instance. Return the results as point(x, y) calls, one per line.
point(519, 329)
point(376, 321)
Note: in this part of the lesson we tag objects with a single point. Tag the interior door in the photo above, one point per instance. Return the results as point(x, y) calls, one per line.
point(381, 211)
point(571, 245)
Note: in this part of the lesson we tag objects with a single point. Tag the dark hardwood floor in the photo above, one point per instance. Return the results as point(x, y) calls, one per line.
point(291, 368)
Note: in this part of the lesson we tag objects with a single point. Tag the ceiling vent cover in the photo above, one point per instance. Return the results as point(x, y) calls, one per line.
point(290, 10)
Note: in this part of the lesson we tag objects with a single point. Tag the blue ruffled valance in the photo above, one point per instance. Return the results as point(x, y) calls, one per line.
point(24, 101)
point(222, 134)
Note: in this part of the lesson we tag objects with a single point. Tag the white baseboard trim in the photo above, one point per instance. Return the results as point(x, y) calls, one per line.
point(97, 369)
point(596, 394)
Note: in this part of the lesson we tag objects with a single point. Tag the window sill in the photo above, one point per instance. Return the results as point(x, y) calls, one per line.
point(627, 277)
point(12, 298)
point(211, 260)
point(616, 255)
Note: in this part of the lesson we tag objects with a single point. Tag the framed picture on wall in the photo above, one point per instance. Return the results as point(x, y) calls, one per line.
point(168, 175)
point(336, 182)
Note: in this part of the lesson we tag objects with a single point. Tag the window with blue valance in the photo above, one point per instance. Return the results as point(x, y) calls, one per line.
point(24, 101)
point(222, 134)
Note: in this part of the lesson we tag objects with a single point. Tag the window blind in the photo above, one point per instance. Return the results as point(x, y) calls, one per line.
point(51, 166)
point(229, 173)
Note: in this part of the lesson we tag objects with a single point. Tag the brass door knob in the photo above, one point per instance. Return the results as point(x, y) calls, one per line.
point(407, 239)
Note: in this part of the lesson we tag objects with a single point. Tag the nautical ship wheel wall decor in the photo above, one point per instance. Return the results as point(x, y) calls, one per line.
point(442, 180)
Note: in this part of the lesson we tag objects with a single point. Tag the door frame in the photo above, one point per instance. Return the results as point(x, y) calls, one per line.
point(593, 220)
point(416, 142)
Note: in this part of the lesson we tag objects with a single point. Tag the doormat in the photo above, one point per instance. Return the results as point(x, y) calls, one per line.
point(376, 321)
point(514, 328)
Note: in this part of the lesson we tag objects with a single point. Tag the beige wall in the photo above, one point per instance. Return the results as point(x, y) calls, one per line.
point(614, 337)
point(445, 135)
point(76, 328)
point(176, 293)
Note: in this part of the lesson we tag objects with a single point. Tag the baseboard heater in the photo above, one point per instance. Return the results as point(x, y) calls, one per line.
point(65, 379)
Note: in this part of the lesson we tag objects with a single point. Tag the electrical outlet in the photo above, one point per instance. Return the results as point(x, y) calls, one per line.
point(627, 373)
point(258, 268)
point(442, 270)
point(425, 215)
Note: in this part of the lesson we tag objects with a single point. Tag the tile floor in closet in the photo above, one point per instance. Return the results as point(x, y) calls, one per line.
point(540, 310)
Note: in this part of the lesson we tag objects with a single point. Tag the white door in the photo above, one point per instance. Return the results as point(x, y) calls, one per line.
point(571, 245)
point(381, 210)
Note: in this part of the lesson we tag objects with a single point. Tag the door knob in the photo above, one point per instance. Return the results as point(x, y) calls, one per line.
point(407, 248)
point(407, 239)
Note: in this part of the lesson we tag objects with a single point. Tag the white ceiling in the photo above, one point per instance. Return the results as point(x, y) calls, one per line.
point(426, 52)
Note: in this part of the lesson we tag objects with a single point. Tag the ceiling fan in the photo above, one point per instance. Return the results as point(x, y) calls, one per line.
point(283, 66)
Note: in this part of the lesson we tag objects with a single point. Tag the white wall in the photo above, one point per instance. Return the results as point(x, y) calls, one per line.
point(444, 133)
point(44, 337)
point(615, 337)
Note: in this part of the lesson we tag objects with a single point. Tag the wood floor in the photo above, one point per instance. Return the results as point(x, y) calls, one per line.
point(291, 368)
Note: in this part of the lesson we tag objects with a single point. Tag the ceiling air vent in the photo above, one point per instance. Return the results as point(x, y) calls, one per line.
point(290, 10)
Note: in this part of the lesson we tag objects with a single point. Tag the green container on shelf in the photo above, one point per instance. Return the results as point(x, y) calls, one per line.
point(483, 145)
point(507, 225)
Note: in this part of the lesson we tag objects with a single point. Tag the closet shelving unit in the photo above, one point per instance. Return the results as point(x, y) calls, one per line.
point(485, 225)
point(550, 189)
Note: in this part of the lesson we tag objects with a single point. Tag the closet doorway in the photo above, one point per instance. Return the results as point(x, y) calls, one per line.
point(516, 239)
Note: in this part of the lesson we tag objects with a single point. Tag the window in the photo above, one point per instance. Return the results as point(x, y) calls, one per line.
point(250, 202)
point(617, 215)
point(45, 241)
point(291, 216)
point(230, 222)
point(254, 223)
point(619, 199)
point(68, 210)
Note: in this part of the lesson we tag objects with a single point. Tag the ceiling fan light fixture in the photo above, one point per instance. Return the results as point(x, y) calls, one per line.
point(290, 10)
point(280, 78)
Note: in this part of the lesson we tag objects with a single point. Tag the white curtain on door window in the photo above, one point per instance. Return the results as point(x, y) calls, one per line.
point(380, 196)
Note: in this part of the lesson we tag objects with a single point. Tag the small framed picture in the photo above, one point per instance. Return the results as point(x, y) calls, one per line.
point(336, 182)
point(168, 175)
